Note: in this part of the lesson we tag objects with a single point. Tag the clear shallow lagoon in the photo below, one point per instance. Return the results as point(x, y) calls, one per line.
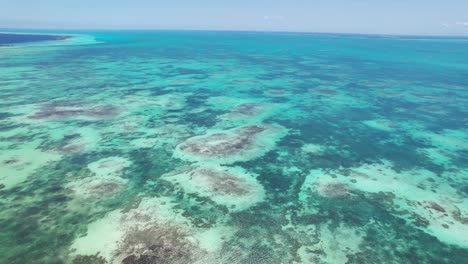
point(217, 147)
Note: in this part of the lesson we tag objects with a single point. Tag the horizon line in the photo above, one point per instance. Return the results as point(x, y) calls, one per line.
point(230, 30)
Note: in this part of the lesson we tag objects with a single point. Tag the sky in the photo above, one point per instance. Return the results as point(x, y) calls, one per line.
point(409, 17)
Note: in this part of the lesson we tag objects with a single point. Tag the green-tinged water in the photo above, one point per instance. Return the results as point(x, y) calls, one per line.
point(216, 147)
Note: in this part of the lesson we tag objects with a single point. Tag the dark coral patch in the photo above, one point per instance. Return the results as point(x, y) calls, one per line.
point(164, 244)
point(61, 112)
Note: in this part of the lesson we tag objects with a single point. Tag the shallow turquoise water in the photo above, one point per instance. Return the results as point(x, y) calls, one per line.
point(223, 147)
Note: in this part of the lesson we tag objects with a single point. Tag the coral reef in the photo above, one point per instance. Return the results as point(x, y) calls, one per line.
point(18, 164)
point(108, 166)
point(249, 113)
point(229, 186)
point(89, 259)
point(439, 212)
point(277, 92)
point(334, 246)
point(323, 91)
point(61, 112)
point(165, 244)
point(152, 232)
point(332, 189)
point(245, 110)
point(228, 146)
point(97, 187)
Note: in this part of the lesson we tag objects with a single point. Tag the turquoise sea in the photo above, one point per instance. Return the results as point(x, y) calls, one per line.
point(180, 147)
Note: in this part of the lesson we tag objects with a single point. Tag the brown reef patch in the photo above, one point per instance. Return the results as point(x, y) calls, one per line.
point(222, 143)
point(333, 189)
point(12, 161)
point(276, 92)
point(247, 109)
point(323, 91)
point(52, 111)
point(225, 183)
point(162, 244)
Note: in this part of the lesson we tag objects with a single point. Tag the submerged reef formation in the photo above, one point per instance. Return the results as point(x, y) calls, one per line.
point(334, 246)
point(97, 187)
point(153, 232)
point(53, 111)
point(108, 166)
point(105, 180)
point(229, 186)
point(331, 188)
point(433, 206)
point(277, 92)
point(18, 164)
point(229, 146)
point(249, 113)
point(169, 101)
point(78, 141)
point(164, 244)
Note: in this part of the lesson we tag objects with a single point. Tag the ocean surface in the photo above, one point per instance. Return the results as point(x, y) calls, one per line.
point(234, 147)
point(9, 39)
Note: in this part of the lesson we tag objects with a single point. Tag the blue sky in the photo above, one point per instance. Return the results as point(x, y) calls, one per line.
point(429, 17)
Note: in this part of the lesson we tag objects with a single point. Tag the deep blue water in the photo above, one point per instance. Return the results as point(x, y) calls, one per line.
point(8, 39)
